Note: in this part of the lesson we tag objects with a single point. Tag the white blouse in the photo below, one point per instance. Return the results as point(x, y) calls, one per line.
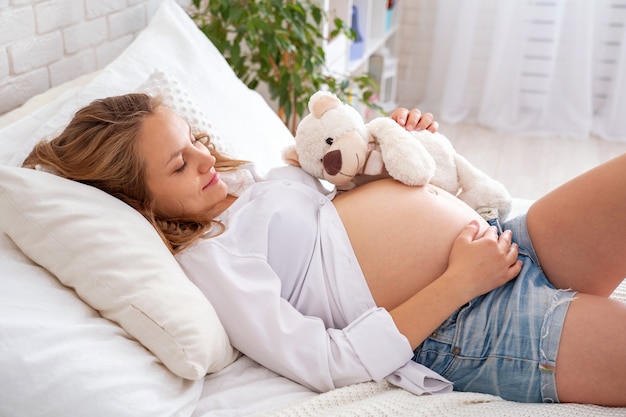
point(289, 291)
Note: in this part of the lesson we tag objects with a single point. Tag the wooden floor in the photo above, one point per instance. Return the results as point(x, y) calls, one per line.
point(529, 166)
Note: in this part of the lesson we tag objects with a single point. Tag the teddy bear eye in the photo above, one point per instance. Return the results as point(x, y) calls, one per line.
point(330, 141)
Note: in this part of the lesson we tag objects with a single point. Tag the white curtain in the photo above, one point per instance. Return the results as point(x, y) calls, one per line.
point(548, 67)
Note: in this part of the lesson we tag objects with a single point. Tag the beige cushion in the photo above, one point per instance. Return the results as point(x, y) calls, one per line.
point(117, 263)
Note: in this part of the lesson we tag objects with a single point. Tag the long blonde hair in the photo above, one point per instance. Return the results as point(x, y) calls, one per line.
point(99, 148)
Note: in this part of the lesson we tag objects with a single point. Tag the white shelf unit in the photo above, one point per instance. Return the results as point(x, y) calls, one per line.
point(377, 25)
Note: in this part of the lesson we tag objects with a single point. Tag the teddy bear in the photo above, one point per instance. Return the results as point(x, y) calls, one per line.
point(334, 144)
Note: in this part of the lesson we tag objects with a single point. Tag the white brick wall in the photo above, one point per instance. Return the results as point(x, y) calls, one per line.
point(127, 21)
point(54, 14)
point(35, 52)
point(16, 23)
point(84, 35)
point(44, 43)
point(4, 66)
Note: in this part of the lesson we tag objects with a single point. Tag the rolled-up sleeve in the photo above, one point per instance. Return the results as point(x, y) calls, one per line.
point(377, 343)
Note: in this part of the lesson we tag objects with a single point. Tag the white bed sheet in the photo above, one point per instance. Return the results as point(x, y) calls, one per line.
point(244, 387)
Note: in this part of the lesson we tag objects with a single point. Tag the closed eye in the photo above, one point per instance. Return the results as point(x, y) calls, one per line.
point(202, 140)
point(182, 167)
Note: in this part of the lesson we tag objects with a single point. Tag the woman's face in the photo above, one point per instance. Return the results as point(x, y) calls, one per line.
point(180, 171)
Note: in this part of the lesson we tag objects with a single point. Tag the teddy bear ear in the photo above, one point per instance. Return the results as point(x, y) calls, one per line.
point(321, 102)
point(290, 156)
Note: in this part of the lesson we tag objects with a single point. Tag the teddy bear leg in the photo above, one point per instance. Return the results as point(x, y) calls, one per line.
point(491, 216)
point(481, 192)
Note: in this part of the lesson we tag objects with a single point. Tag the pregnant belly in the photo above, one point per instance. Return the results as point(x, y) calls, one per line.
point(401, 235)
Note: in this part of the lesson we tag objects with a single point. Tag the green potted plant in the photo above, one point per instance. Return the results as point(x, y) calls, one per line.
point(279, 43)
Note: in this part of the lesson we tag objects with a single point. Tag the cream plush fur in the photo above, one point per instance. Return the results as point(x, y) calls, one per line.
point(333, 143)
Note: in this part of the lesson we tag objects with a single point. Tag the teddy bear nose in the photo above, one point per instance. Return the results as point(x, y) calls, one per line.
point(332, 162)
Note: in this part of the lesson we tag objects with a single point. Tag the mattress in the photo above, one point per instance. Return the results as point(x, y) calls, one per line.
point(63, 353)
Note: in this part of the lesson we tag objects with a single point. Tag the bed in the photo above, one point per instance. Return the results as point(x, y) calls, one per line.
point(97, 318)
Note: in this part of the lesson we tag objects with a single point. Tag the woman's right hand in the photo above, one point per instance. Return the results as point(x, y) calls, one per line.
point(477, 264)
point(481, 263)
point(414, 119)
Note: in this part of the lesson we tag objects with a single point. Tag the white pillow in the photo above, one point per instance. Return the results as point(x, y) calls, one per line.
point(60, 358)
point(117, 263)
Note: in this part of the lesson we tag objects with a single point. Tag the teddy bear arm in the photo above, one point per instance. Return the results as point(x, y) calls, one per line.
point(405, 158)
point(375, 164)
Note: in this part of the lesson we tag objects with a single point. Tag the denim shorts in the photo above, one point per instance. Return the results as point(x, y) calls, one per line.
point(506, 342)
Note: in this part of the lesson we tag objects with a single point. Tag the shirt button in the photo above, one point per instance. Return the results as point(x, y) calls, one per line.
point(285, 182)
point(322, 200)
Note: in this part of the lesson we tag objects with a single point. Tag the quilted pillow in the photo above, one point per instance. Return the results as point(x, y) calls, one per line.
point(178, 99)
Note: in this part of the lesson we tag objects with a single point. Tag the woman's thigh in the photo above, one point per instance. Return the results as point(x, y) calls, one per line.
point(579, 230)
point(591, 364)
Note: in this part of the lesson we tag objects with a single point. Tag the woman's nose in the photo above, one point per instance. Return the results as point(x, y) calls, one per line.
point(207, 161)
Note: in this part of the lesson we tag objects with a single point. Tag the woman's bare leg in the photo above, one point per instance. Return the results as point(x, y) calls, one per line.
point(591, 363)
point(579, 230)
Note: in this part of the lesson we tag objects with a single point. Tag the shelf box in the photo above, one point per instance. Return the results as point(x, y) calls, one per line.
point(359, 25)
point(376, 22)
point(384, 69)
point(357, 50)
point(390, 18)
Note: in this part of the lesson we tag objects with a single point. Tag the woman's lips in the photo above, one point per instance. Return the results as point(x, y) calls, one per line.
point(214, 180)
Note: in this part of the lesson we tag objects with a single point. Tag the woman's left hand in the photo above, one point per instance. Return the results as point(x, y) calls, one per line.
point(414, 119)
